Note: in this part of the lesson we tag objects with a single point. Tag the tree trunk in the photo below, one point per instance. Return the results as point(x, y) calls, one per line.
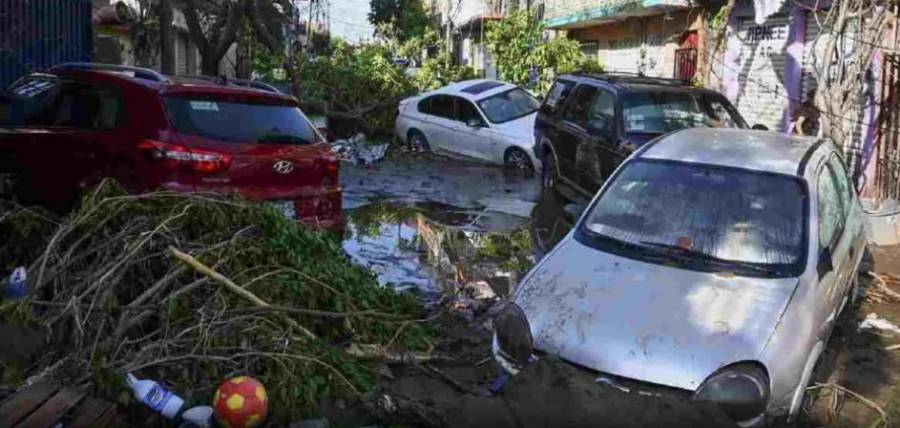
point(209, 64)
point(166, 38)
point(222, 34)
point(714, 44)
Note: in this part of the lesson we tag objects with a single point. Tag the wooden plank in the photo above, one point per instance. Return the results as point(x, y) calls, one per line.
point(49, 413)
point(109, 418)
point(87, 413)
point(23, 402)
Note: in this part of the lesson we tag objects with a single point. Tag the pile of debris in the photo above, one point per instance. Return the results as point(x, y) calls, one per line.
point(359, 151)
point(193, 289)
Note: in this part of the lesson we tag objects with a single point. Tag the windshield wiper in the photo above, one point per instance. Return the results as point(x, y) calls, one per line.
point(682, 253)
point(282, 138)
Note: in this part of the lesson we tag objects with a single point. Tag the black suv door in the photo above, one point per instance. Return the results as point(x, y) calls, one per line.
point(588, 143)
point(570, 130)
point(598, 153)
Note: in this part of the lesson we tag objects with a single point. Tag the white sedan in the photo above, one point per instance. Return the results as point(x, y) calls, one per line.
point(484, 120)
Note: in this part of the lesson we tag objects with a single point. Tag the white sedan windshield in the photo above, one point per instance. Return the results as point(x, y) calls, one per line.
point(509, 105)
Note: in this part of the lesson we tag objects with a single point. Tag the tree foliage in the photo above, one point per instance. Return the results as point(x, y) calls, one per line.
point(406, 18)
point(518, 45)
point(359, 87)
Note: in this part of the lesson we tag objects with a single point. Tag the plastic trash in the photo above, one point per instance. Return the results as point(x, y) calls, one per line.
point(498, 383)
point(197, 417)
point(15, 288)
point(872, 321)
point(155, 396)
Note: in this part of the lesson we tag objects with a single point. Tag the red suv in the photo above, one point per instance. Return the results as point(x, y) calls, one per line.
point(82, 122)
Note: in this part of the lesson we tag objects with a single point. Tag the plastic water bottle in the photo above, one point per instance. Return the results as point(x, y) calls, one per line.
point(155, 396)
point(16, 289)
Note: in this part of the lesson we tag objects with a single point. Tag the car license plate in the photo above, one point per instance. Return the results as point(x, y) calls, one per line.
point(286, 208)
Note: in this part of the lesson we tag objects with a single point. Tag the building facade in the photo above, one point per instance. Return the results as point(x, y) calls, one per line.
point(659, 38)
point(115, 42)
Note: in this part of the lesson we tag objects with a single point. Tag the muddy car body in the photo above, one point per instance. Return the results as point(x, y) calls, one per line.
point(711, 256)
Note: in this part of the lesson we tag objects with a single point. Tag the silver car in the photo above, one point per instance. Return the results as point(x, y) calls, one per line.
point(713, 262)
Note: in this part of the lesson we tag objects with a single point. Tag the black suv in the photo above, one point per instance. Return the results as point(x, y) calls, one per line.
point(588, 124)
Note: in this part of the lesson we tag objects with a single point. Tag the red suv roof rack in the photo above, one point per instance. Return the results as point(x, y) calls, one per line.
point(140, 73)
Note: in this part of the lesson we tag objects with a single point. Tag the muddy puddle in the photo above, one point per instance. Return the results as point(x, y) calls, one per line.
point(435, 225)
point(434, 248)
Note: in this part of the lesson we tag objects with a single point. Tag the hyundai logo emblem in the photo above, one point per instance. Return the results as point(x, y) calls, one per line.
point(283, 167)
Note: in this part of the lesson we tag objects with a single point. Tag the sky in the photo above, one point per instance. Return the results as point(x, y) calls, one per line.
point(349, 21)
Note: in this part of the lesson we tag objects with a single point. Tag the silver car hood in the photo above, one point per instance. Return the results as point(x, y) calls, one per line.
point(645, 321)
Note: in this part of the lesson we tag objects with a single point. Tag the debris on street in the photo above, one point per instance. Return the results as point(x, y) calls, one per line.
point(358, 151)
point(872, 321)
point(113, 286)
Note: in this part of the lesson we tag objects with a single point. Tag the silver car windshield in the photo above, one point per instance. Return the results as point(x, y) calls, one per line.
point(704, 217)
point(509, 105)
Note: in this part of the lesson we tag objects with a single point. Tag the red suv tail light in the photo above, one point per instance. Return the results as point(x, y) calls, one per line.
point(179, 158)
point(330, 168)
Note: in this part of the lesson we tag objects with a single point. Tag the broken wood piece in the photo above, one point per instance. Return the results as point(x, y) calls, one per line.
point(24, 402)
point(243, 292)
point(378, 352)
point(883, 286)
point(51, 411)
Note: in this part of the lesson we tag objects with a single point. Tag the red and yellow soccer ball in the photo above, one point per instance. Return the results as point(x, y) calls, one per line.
point(241, 403)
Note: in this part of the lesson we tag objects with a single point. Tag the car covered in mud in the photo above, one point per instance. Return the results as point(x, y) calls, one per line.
point(483, 120)
point(714, 263)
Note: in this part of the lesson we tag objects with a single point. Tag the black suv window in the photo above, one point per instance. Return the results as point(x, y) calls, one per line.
point(557, 96)
point(601, 116)
point(579, 109)
point(82, 105)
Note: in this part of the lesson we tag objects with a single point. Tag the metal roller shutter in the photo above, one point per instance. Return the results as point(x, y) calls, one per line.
point(653, 57)
point(760, 65)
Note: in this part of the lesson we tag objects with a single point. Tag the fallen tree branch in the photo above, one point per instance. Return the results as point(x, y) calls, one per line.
point(205, 270)
point(377, 352)
point(324, 314)
point(885, 418)
point(882, 285)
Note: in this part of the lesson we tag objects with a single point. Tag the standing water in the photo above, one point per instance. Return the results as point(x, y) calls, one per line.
point(436, 225)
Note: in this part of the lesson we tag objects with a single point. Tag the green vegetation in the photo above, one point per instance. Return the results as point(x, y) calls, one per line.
point(403, 19)
point(518, 44)
point(103, 281)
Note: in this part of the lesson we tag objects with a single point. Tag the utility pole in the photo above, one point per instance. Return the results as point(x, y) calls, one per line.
point(449, 38)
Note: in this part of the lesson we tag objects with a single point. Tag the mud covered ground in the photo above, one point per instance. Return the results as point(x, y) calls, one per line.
point(861, 360)
point(448, 228)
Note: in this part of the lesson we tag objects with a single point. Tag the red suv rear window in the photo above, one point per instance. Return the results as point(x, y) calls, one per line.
point(239, 121)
